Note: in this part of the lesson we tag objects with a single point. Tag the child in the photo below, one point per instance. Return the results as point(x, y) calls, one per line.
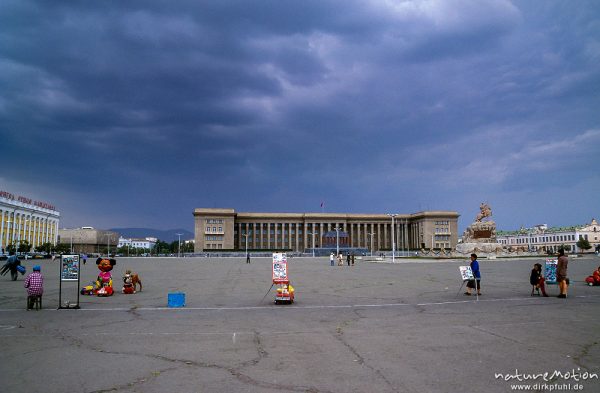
point(537, 280)
point(34, 282)
point(594, 279)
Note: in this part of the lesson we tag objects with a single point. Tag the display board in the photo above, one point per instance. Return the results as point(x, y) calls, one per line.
point(466, 273)
point(279, 267)
point(69, 267)
point(550, 270)
point(69, 271)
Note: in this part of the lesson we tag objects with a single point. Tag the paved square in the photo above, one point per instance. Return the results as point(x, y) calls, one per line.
point(374, 327)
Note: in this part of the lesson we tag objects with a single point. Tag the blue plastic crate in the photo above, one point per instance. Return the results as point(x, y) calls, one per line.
point(176, 299)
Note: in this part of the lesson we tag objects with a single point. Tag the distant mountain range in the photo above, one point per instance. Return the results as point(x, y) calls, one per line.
point(165, 236)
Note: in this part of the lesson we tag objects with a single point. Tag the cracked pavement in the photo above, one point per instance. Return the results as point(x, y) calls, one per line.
point(373, 327)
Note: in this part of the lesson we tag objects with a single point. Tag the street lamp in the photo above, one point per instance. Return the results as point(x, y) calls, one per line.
point(179, 245)
point(393, 215)
point(371, 235)
point(107, 244)
point(337, 241)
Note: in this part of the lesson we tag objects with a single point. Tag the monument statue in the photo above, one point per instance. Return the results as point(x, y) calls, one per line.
point(485, 211)
point(480, 236)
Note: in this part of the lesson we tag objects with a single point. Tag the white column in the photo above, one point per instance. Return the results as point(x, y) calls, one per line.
point(36, 228)
point(29, 234)
point(1, 229)
point(47, 227)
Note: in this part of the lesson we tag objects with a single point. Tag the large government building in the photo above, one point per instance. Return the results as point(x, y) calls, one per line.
point(225, 229)
point(22, 218)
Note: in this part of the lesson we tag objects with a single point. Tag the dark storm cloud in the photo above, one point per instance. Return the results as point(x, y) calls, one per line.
point(134, 113)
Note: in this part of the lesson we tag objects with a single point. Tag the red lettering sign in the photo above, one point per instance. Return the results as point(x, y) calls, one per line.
point(29, 201)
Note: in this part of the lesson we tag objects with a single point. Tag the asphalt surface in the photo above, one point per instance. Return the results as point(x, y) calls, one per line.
point(373, 327)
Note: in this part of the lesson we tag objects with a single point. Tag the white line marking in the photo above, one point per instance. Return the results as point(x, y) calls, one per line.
point(296, 307)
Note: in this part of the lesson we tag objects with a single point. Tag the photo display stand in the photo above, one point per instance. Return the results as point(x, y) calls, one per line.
point(550, 270)
point(467, 275)
point(69, 271)
point(279, 271)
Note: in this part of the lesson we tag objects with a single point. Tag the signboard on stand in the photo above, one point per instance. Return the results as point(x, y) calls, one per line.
point(69, 268)
point(69, 271)
point(550, 270)
point(280, 268)
point(466, 273)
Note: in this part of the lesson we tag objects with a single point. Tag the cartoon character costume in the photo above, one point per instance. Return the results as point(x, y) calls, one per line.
point(128, 287)
point(104, 284)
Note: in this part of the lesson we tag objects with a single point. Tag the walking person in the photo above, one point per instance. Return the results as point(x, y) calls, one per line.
point(561, 273)
point(331, 259)
point(348, 258)
point(476, 283)
point(84, 258)
point(340, 259)
point(247, 257)
point(34, 282)
point(352, 258)
point(11, 264)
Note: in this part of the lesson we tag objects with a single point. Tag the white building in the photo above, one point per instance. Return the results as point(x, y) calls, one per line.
point(22, 218)
point(146, 243)
point(540, 237)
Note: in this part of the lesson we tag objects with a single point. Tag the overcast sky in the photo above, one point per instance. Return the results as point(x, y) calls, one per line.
point(133, 113)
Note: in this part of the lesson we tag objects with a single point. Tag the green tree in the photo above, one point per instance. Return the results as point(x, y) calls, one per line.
point(584, 244)
point(11, 248)
point(187, 247)
point(174, 246)
point(44, 247)
point(24, 246)
point(161, 247)
point(62, 248)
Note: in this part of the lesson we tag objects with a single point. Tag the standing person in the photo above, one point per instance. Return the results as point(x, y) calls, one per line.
point(34, 282)
point(247, 257)
point(84, 258)
point(472, 284)
point(537, 281)
point(348, 258)
point(340, 259)
point(561, 273)
point(352, 259)
point(331, 259)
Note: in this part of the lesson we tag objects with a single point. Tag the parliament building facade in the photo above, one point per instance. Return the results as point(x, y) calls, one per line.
point(226, 229)
point(24, 219)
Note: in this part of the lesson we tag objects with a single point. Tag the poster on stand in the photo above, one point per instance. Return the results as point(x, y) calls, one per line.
point(550, 270)
point(279, 267)
point(69, 268)
point(466, 273)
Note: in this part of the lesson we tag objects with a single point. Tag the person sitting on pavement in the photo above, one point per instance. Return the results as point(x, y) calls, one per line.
point(537, 280)
point(594, 279)
point(34, 282)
